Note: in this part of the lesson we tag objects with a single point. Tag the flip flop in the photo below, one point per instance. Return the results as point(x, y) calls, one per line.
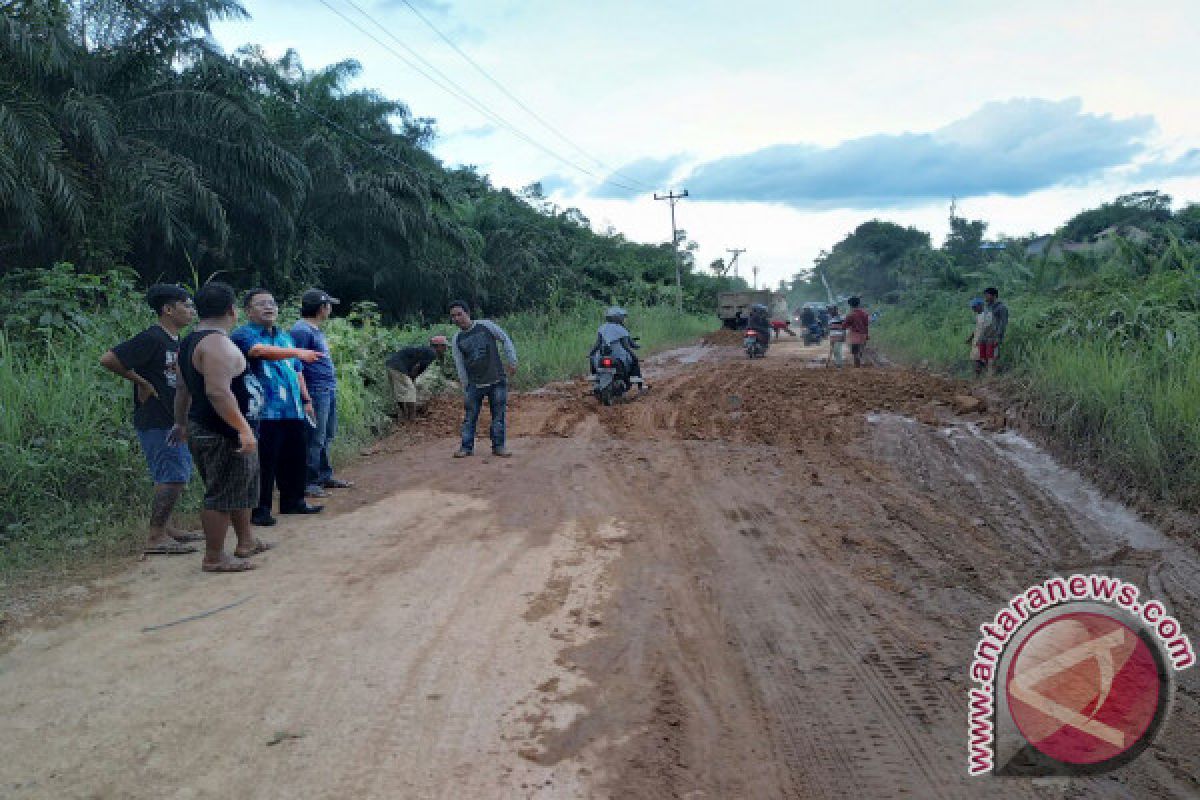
point(170, 549)
point(229, 565)
point(192, 536)
point(259, 547)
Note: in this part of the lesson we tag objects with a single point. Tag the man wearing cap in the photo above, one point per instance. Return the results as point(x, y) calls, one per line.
point(315, 307)
point(405, 368)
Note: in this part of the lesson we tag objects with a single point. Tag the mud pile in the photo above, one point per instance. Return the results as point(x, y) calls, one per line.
point(723, 337)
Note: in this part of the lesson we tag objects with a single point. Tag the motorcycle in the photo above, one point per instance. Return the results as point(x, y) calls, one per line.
point(755, 344)
point(610, 377)
point(813, 333)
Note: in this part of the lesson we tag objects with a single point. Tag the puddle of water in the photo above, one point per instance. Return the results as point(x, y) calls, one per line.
point(1075, 492)
point(688, 355)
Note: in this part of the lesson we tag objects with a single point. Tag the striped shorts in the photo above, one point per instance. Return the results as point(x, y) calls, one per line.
point(230, 478)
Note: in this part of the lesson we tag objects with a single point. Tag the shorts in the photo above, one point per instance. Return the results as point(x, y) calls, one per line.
point(231, 478)
point(988, 350)
point(166, 463)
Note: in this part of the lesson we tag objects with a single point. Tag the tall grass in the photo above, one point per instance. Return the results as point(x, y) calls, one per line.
point(1110, 370)
point(72, 477)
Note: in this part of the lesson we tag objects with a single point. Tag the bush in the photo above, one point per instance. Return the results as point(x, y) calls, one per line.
point(1108, 367)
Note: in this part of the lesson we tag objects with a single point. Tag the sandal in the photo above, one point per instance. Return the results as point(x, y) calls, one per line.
point(168, 549)
point(259, 547)
point(229, 565)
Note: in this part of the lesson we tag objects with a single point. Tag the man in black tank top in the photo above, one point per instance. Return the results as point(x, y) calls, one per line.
point(212, 405)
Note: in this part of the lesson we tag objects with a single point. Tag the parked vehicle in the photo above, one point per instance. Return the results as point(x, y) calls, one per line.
point(733, 308)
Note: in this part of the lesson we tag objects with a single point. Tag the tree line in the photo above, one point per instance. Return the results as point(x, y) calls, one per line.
point(889, 262)
point(125, 139)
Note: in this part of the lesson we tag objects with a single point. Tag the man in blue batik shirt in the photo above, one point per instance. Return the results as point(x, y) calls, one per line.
point(315, 307)
point(282, 436)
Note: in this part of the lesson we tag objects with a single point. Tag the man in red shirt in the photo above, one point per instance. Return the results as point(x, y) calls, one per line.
point(857, 324)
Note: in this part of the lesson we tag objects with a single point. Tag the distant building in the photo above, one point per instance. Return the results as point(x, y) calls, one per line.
point(1103, 242)
point(1038, 245)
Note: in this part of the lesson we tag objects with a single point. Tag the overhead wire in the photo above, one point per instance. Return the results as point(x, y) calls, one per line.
point(297, 103)
point(462, 94)
point(547, 125)
point(293, 100)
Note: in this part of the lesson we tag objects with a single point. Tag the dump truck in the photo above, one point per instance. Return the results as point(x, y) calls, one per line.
point(733, 308)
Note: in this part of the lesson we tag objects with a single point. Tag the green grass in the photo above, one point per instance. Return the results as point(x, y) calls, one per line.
point(72, 476)
point(1109, 370)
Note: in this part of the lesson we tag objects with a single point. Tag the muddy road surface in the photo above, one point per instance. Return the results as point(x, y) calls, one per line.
point(760, 580)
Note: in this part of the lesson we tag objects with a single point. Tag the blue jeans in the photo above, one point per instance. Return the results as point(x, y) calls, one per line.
point(497, 397)
point(325, 411)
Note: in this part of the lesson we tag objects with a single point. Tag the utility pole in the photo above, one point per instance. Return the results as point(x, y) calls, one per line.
point(755, 271)
point(673, 198)
point(733, 261)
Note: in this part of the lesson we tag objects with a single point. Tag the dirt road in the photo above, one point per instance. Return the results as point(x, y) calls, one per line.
point(761, 580)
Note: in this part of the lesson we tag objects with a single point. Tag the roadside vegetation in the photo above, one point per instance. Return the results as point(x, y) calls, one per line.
point(126, 140)
point(131, 153)
point(1103, 345)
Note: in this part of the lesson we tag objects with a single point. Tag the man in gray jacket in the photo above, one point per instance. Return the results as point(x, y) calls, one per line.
point(482, 374)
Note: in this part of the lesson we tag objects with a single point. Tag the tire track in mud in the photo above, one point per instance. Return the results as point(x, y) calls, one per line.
point(867, 741)
point(834, 634)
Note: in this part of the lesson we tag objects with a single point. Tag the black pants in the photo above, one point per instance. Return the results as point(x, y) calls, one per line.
point(282, 459)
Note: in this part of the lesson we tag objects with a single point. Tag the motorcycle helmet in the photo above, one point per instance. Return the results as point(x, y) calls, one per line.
point(615, 314)
point(976, 304)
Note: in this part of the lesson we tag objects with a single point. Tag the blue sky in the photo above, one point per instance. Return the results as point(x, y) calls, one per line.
point(791, 122)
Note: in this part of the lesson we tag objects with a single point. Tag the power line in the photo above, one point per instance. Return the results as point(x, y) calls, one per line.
point(458, 92)
point(294, 101)
point(562, 136)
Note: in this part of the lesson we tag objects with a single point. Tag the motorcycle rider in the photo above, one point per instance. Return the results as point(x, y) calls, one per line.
point(760, 323)
point(613, 334)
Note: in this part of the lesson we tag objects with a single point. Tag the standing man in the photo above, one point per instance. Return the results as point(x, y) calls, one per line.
point(482, 374)
point(857, 325)
point(406, 366)
point(275, 361)
point(214, 404)
point(997, 329)
point(321, 379)
point(149, 362)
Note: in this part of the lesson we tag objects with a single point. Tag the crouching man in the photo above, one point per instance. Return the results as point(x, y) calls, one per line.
point(413, 383)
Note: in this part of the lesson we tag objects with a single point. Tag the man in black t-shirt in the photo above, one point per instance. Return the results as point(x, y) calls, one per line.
point(148, 361)
point(405, 367)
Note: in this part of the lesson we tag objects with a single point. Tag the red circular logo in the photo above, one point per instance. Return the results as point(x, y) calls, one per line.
point(1084, 688)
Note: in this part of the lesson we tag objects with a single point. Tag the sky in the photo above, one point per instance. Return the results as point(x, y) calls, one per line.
point(789, 123)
